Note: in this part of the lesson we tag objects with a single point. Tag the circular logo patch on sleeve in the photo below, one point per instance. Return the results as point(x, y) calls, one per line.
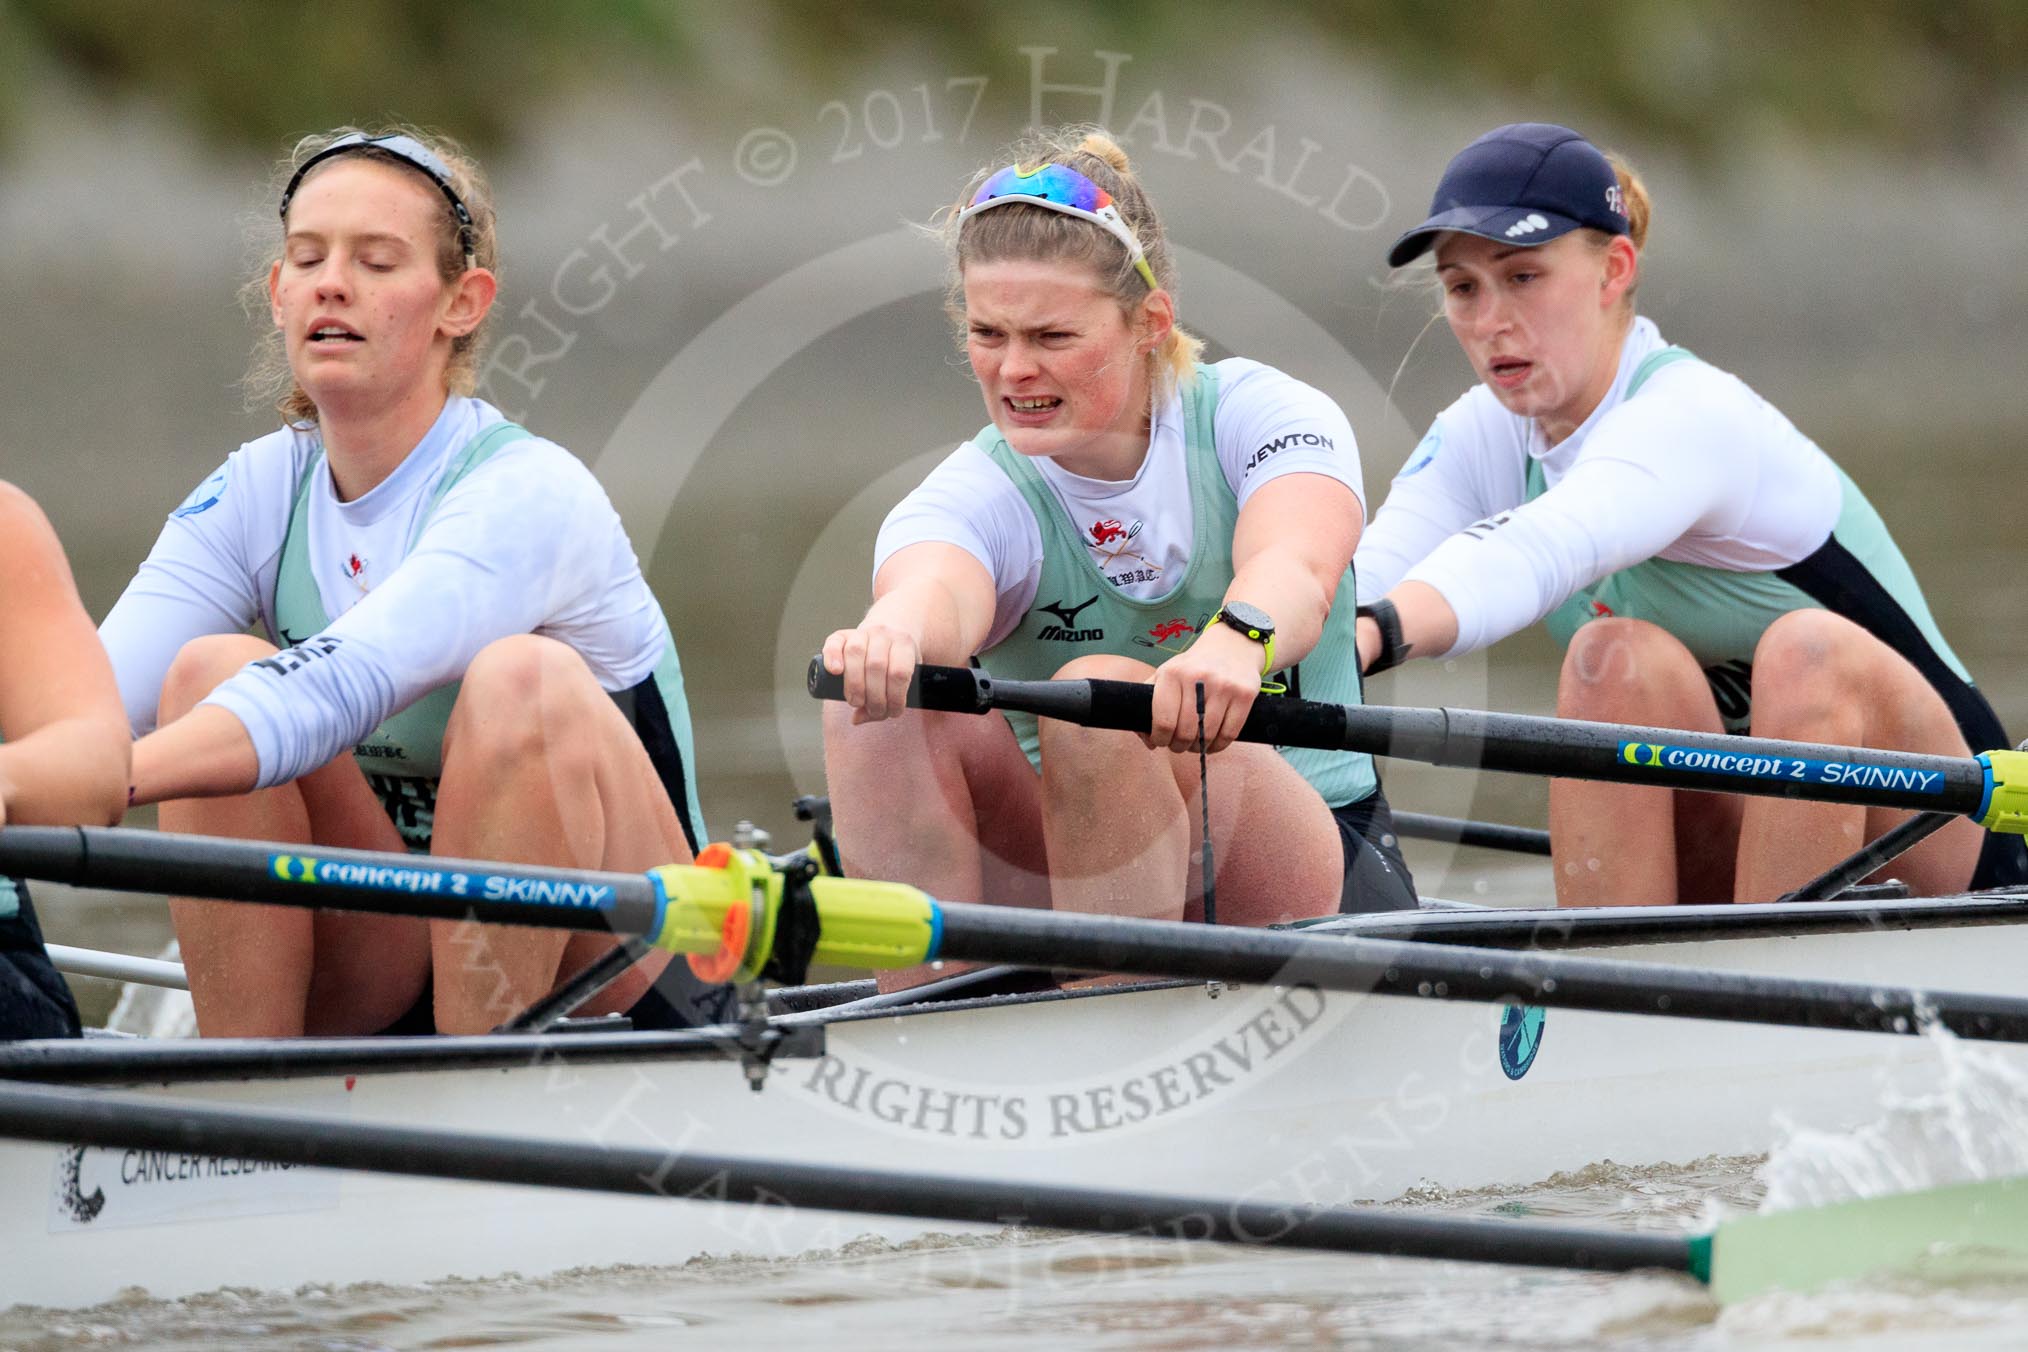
point(203, 497)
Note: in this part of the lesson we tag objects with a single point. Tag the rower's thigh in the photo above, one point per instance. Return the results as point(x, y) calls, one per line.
point(534, 738)
point(365, 970)
point(1619, 670)
point(532, 721)
point(1008, 795)
point(1276, 847)
point(931, 783)
point(1818, 677)
point(1816, 673)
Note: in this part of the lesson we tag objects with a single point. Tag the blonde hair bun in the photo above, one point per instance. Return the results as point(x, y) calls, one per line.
point(1100, 146)
point(1034, 234)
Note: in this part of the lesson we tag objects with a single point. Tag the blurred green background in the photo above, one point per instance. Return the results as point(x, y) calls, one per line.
point(711, 292)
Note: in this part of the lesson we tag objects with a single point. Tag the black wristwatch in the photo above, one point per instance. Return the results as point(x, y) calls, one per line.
point(1256, 624)
point(1392, 649)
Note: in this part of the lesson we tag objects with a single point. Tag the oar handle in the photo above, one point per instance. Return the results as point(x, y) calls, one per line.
point(1126, 706)
point(956, 690)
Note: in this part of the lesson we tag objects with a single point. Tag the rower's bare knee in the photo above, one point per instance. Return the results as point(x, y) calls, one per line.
point(201, 666)
point(524, 699)
point(1082, 766)
point(919, 741)
point(1810, 678)
point(1068, 747)
point(1104, 667)
point(1618, 670)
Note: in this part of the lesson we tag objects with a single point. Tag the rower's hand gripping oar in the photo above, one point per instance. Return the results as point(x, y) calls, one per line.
point(1991, 788)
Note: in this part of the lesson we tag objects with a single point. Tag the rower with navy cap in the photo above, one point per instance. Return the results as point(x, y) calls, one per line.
point(1526, 184)
point(1705, 564)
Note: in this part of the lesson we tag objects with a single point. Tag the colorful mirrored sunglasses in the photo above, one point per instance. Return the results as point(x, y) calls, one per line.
point(1060, 188)
point(406, 149)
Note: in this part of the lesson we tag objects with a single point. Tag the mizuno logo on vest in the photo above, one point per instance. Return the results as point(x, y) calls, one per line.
point(1066, 631)
point(1066, 613)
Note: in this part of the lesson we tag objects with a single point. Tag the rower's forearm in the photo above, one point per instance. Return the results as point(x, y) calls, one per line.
point(1284, 587)
point(72, 772)
point(1429, 627)
point(207, 753)
point(927, 611)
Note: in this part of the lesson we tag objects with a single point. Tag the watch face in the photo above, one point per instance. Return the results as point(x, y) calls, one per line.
point(1253, 617)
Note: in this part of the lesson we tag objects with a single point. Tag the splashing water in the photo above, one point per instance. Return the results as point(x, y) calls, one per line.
point(1973, 1127)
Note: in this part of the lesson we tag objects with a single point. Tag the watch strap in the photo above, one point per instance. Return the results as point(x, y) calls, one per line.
point(1266, 638)
point(1392, 650)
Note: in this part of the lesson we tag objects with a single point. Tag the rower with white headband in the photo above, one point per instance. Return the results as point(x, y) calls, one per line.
point(1130, 513)
point(456, 649)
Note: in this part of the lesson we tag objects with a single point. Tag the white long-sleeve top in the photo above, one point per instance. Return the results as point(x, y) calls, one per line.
point(526, 543)
point(1696, 468)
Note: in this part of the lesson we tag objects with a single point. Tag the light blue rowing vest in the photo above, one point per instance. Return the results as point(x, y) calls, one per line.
point(403, 758)
point(1720, 614)
point(1077, 611)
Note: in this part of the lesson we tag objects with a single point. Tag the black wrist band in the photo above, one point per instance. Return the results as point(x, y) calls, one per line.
point(1392, 650)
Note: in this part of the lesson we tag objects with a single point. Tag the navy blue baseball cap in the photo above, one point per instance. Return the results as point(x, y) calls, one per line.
point(1525, 183)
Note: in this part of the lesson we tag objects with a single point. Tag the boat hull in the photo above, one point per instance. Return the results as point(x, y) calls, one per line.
point(1261, 1093)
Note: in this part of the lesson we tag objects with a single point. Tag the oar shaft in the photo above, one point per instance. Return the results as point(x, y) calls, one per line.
point(1667, 757)
point(123, 859)
point(118, 967)
point(126, 1121)
point(1519, 743)
point(1484, 835)
point(1391, 967)
point(876, 924)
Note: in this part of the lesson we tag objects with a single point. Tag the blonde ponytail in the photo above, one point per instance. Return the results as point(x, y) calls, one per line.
point(1639, 211)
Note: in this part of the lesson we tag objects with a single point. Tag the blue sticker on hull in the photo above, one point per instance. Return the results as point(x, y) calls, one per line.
point(1520, 1038)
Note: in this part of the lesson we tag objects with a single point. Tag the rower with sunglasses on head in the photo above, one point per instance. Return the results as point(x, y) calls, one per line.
point(63, 745)
point(1707, 566)
point(460, 652)
point(1129, 513)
